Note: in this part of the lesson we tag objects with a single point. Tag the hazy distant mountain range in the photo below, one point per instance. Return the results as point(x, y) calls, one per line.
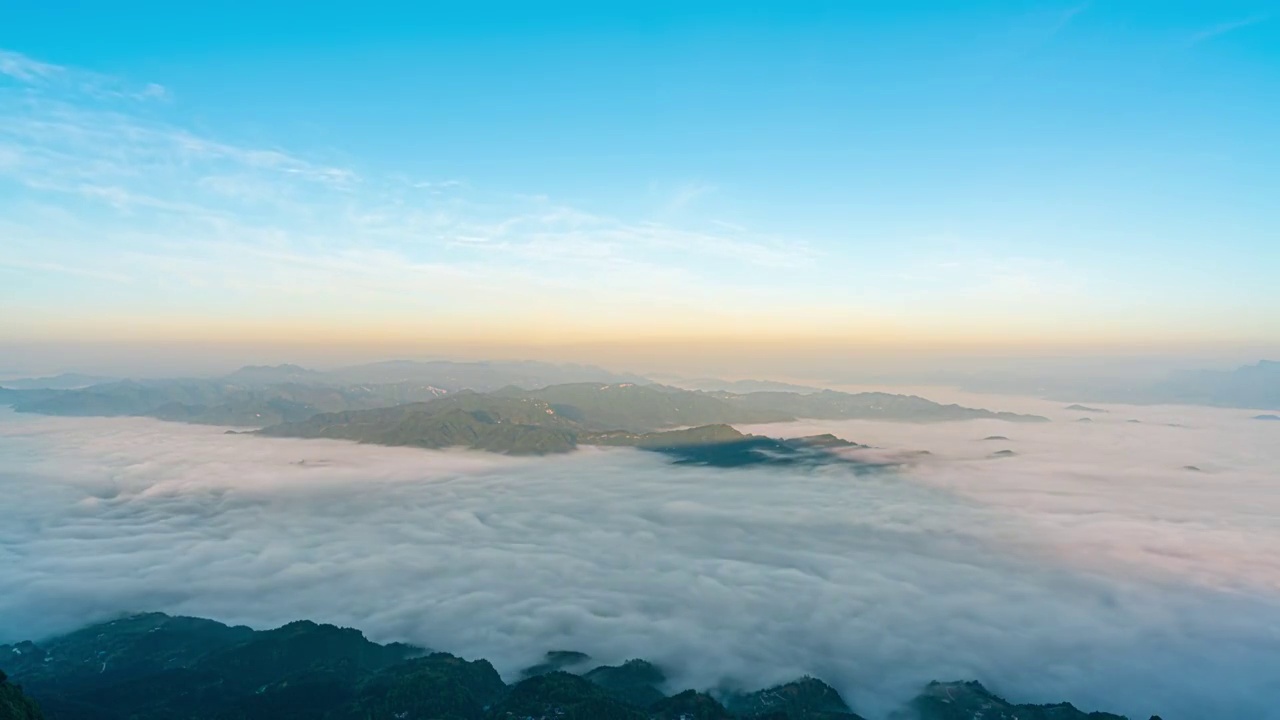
point(737, 386)
point(432, 405)
point(157, 667)
point(1250, 386)
point(256, 395)
point(65, 381)
point(443, 374)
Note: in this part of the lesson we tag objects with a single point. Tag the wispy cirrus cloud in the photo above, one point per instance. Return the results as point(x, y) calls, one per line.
point(25, 69)
point(1067, 17)
point(1224, 28)
point(32, 72)
point(686, 194)
point(206, 227)
point(439, 186)
point(105, 186)
point(86, 272)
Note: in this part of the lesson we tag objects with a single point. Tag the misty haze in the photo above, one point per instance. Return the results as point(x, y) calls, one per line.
point(571, 361)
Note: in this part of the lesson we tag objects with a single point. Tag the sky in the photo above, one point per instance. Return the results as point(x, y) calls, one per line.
point(907, 177)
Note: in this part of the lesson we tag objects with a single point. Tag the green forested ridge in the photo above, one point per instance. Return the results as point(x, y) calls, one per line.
point(523, 426)
point(970, 700)
point(557, 419)
point(807, 698)
point(14, 704)
point(158, 667)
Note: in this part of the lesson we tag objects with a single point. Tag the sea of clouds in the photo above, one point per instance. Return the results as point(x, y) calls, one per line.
point(1092, 566)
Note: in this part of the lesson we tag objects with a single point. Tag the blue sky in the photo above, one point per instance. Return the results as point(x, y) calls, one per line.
point(911, 174)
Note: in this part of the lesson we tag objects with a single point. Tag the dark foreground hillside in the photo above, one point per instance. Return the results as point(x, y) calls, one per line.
point(14, 705)
point(154, 667)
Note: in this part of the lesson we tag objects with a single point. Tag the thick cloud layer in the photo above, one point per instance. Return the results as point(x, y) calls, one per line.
point(1092, 566)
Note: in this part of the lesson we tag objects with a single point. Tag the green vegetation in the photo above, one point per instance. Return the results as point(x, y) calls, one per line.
point(561, 695)
point(437, 686)
point(524, 426)
point(566, 660)
point(804, 699)
point(479, 422)
point(689, 705)
point(157, 667)
point(14, 705)
point(153, 666)
point(969, 700)
point(559, 418)
point(635, 682)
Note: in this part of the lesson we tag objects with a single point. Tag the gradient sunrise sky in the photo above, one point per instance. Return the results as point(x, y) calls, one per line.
point(914, 174)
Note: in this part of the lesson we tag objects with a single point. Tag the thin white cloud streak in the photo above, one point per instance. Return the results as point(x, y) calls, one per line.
point(1224, 28)
point(136, 186)
point(68, 269)
point(34, 73)
point(439, 186)
point(1092, 567)
point(1066, 18)
point(687, 194)
point(101, 183)
point(20, 67)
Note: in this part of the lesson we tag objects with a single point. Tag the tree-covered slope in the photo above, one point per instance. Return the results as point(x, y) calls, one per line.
point(157, 667)
point(970, 700)
point(479, 422)
point(14, 704)
point(520, 422)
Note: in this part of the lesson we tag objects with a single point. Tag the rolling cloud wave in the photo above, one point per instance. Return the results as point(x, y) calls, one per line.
point(1092, 566)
